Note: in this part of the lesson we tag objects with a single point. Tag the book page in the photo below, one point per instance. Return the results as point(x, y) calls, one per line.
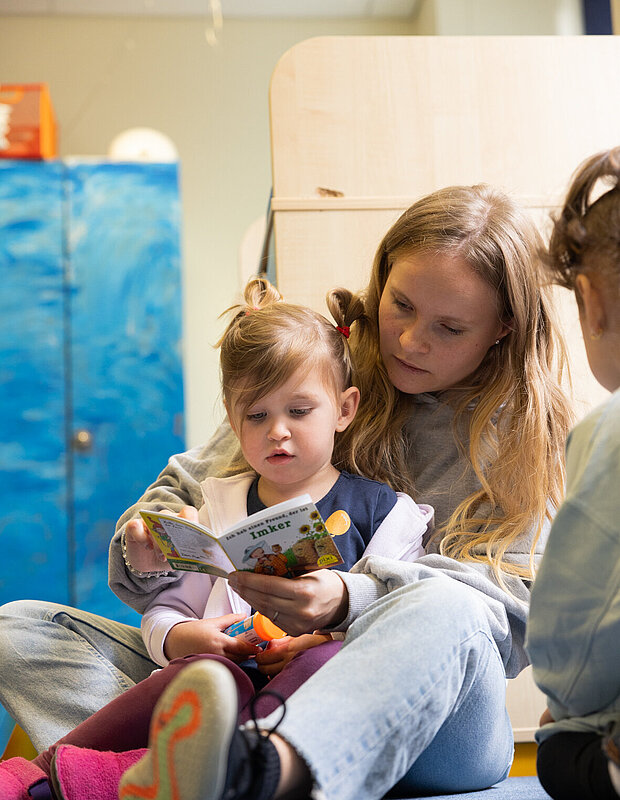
point(187, 545)
point(287, 539)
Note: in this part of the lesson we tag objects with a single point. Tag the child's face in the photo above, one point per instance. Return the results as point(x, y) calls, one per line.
point(287, 436)
point(437, 320)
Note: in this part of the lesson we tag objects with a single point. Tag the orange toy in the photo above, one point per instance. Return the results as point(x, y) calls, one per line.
point(256, 629)
point(27, 124)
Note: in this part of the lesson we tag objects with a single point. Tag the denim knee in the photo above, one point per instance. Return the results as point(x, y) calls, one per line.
point(12, 617)
point(29, 609)
point(454, 609)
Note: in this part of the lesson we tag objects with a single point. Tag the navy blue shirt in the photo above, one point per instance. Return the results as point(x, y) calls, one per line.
point(366, 502)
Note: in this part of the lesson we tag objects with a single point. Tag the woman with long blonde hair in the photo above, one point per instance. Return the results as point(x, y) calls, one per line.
point(509, 415)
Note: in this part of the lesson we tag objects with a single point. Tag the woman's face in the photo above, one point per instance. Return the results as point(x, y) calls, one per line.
point(437, 320)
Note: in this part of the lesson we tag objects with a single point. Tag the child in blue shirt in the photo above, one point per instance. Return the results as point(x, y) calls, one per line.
point(574, 624)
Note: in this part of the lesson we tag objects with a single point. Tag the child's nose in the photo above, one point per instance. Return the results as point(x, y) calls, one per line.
point(279, 430)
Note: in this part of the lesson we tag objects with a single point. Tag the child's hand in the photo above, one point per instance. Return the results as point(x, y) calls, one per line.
point(142, 552)
point(279, 652)
point(206, 636)
point(546, 718)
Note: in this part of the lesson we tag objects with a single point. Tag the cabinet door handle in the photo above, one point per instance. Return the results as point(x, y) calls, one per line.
point(82, 440)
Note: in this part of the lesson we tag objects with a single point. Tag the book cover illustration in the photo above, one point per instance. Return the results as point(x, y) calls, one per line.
point(287, 539)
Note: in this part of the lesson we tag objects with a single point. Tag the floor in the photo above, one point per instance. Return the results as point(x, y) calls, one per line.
point(517, 788)
point(521, 784)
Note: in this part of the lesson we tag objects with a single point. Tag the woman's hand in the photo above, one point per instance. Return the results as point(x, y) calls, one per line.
point(316, 600)
point(279, 652)
point(142, 552)
point(206, 636)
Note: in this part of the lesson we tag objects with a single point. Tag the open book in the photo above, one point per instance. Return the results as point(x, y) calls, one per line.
point(286, 539)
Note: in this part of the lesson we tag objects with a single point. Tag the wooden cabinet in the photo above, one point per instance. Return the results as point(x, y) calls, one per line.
point(91, 386)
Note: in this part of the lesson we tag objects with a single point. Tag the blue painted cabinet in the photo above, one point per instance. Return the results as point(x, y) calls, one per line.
point(91, 387)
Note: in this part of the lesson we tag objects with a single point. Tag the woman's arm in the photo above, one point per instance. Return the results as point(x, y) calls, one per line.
point(507, 607)
point(316, 600)
point(332, 600)
point(177, 486)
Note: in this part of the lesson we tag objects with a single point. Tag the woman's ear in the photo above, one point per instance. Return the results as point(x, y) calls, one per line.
point(592, 308)
point(349, 403)
point(505, 329)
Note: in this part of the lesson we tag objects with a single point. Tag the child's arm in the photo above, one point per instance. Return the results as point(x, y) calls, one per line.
point(173, 625)
point(207, 636)
point(574, 618)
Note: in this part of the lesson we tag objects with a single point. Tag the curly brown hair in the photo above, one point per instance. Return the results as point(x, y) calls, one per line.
point(586, 232)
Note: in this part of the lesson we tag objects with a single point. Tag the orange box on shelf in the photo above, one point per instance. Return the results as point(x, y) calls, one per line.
point(27, 124)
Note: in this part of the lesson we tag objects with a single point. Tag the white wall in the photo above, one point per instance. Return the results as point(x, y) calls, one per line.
point(108, 74)
point(508, 17)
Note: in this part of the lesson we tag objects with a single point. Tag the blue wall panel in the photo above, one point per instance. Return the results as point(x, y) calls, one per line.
point(33, 463)
point(91, 301)
point(125, 341)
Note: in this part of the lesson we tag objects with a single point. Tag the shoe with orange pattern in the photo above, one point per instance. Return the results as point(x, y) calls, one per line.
point(196, 751)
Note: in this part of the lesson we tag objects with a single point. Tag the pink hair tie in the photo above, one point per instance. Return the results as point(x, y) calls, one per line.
point(345, 330)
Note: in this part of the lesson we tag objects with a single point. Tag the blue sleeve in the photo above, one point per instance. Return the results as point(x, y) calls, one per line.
point(385, 502)
point(367, 504)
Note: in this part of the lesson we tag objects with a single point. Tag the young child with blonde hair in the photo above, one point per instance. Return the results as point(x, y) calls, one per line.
point(286, 378)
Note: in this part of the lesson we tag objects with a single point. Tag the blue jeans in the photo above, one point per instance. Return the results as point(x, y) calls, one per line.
point(58, 665)
point(416, 698)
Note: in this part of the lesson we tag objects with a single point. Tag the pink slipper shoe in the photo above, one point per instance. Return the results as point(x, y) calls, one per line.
point(82, 774)
point(17, 776)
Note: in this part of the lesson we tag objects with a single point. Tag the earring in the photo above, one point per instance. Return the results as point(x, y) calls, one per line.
point(596, 334)
point(498, 341)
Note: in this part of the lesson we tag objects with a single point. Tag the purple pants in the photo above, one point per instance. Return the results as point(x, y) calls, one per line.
point(123, 724)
